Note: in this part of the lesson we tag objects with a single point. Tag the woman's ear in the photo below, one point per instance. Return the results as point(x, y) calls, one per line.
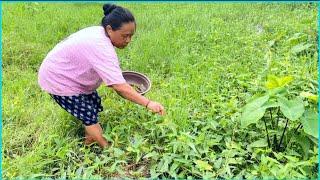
point(109, 30)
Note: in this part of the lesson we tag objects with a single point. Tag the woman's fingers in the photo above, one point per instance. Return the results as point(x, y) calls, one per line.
point(161, 110)
point(156, 108)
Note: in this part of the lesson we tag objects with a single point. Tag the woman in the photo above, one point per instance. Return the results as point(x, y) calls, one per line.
point(76, 67)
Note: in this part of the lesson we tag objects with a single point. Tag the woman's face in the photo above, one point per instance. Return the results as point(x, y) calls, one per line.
point(120, 38)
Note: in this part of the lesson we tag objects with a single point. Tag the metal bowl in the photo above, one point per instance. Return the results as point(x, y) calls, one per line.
point(140, 82)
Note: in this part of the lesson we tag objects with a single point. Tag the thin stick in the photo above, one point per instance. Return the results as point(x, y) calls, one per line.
point(278, 117)
point(274, 127)
point(275, 141)
point(272, 123)
point(299, 126)
point(294, 132)
point(283, 134)
point(265, 124)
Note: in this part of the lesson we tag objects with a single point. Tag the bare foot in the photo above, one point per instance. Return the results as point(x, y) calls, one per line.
point(88, 140)
point(94, 133)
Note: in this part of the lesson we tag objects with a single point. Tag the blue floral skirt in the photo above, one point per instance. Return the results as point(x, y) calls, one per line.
point(84, 107)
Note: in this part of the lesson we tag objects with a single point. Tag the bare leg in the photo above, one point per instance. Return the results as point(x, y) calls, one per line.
point(94, 134)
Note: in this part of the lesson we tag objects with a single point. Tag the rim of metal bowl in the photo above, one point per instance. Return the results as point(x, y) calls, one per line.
point(142, 75)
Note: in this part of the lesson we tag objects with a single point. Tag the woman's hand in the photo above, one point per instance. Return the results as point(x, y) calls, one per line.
point(156, 107)
point(126, 91)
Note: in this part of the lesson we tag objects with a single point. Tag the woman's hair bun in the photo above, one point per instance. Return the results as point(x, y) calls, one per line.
point(107, 8)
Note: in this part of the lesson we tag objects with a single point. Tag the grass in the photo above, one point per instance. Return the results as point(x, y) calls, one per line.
point(205, 61)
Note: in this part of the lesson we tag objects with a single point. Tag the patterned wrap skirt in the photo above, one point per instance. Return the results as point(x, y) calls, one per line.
point(84, 107)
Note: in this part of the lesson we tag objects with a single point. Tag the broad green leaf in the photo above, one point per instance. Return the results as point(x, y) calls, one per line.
point(257, 102)
point(270, 104)
point(310, 124)
point(252, 116)
point(310, 96)
point(277, 91)
point(253, 111)
point(259, 143)
point(203, 165)
point(304, 142)
point(292, 109)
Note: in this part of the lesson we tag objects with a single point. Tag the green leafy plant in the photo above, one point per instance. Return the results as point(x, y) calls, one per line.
point(276, 104)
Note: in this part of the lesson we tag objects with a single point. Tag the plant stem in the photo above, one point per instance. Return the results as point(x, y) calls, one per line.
point(265, 124)
point(274, 127)
point(294, 132)
point(283, 134)
point(275, 141)
point(272, 123)
point(299, 126)
point(278, 117)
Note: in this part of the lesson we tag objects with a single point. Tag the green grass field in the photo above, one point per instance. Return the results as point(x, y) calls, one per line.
point(210, 64)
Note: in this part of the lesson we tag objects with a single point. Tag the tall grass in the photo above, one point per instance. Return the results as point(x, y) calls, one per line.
point(204, 59)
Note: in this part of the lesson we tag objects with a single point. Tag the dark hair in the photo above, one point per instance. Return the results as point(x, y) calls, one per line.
point(115, 16)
